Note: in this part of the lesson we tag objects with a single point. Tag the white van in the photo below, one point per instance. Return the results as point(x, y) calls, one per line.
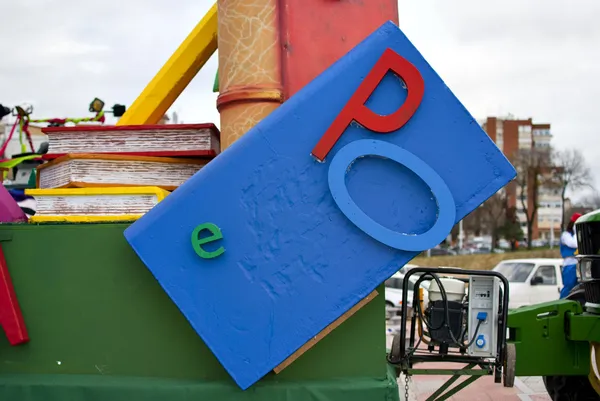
point(531, 281)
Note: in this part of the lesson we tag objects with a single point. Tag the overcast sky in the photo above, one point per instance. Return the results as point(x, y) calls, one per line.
point(533, 58)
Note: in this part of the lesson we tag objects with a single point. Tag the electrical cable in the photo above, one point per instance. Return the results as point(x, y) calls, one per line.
point(475, 334)
point(417, 304)
point(422, 333)
point(416, 347)
point(446, 317)
point(447, 311)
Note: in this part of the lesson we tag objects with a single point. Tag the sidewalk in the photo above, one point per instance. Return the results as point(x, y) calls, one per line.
point(526, 389)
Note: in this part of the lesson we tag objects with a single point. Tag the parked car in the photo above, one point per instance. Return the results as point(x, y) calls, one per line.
point(394, 286)
point(438, 251)
point(406, 268)
point(539, 243)
point(503, 244)
point(531, 281)
point(465, 251)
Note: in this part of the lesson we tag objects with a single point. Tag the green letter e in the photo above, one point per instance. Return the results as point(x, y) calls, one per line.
point(197, 242)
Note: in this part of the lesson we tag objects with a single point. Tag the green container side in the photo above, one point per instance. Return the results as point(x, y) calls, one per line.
point(92, 308)
point(85, 388)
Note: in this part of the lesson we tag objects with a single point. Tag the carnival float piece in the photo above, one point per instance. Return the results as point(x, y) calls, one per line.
point(257, 277)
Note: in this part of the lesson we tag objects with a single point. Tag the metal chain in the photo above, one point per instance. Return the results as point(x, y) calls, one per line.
point(406, 387)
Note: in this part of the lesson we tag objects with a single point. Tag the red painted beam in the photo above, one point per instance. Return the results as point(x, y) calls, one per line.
point(316, 33)
point(11, 318)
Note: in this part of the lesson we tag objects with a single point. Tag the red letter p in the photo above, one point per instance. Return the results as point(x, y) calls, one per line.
point(355, 109)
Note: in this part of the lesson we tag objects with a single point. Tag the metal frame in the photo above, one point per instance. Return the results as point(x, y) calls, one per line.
point(405, 360)
point(441, 394)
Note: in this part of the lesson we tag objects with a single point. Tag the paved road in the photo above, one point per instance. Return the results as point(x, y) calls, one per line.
point(525, 389)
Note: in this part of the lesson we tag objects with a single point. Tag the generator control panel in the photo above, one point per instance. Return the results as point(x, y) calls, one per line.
point(484, 304)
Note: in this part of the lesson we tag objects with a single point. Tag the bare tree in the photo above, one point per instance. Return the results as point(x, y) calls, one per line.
point(511, 229)
point(488, 218)
point(474, 222)
point(534, 170)
point(585, 204)
point(494, 214)
point(572, 174)
point(591, 201)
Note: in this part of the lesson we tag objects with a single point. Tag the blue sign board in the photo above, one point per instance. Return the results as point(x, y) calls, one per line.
point(321, 202)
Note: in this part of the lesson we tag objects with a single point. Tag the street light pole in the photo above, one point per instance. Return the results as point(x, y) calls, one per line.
point(460, 235)
point(551, 232)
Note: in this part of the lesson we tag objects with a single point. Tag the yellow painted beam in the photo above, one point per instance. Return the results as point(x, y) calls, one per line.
point(176, 74)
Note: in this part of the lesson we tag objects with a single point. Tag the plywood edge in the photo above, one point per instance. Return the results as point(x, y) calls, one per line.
point(325, 332)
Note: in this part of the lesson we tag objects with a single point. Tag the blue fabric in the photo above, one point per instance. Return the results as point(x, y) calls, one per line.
point(569, 277)
point(566, 251)
point(19, 195)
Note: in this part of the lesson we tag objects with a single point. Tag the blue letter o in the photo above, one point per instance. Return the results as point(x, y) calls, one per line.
point(407, 242)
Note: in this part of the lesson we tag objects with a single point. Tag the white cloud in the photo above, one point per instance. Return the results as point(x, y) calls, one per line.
point(63, 53)
point(68, 47)
point(534, 58)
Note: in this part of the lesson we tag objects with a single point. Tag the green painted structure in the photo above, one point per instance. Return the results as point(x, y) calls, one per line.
point(102, 328)
point(557, 326)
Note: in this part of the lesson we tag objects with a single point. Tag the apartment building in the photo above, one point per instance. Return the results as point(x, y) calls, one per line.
point(511, 135)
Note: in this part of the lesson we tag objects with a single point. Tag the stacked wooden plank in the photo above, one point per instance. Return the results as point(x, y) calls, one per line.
point(117, 173)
